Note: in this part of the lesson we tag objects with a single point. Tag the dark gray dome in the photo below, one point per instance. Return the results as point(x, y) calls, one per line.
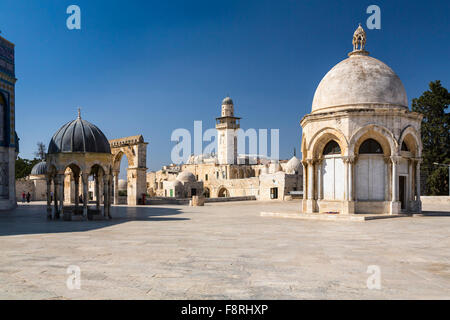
point(79, 136)
point(39, 169)
point(227, 101)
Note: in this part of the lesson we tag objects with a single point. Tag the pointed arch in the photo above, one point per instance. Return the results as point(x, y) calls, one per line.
point(412, 139)
point(322, 137)
point(379, 133)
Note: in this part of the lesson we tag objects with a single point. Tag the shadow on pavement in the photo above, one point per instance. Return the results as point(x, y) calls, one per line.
point(31, 219)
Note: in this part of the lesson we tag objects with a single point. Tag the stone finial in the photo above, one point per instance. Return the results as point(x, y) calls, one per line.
point(359, 42)
point(79, 113)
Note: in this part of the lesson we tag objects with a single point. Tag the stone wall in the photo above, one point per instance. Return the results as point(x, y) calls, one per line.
point(24, 185)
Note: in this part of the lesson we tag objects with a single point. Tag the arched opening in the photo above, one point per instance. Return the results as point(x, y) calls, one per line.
point(371, 172)
point(370, 146)
point(122, 178)
point(331, 147)
point(404, 147)
point(72, 187)
point(96, 178)
point(223, 193)
point(206, 192)
point(332, 172)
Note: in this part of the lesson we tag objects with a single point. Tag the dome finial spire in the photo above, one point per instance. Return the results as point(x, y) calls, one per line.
point(79, 113)
point(359, 42)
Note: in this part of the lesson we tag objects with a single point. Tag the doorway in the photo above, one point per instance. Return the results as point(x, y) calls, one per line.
point(402, 191)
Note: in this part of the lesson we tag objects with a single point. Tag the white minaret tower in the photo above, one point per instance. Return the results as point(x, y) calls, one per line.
point(227, 126)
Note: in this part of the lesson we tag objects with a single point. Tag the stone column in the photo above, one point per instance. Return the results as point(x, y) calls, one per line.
point(85, 181)
point(105, 195)
point(49, 199)
point(418, 180)
point(305, 194)
point(346, 162)
point(310, 202)
point(97, 191)
point(77, 191)
point(394, 179)
point(108, 195)
point(395, 204)
point(310, 179)
point(116, 187)
point(350, 179)
point(319, 180)
point(60, 177)
point(55, 197)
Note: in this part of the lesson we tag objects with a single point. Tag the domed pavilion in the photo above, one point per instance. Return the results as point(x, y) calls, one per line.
point(78, 150)
point(361, 144)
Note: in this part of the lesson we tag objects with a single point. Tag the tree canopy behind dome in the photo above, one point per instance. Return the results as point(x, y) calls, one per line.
point(79, 136)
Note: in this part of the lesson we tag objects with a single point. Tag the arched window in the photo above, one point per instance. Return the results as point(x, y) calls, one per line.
point(404, 146)
point(370, 146)
point(332, 147)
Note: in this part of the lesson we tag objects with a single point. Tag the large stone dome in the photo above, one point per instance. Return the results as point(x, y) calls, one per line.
point(79, 136)
point(359, 81)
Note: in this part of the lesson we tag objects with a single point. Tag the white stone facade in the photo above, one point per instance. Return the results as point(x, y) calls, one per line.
point(361, 145)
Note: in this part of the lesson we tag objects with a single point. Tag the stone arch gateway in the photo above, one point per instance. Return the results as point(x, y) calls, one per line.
point(135, 149)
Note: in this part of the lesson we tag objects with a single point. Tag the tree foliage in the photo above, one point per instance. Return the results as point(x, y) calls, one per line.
point(435, 136)
point(24, 166)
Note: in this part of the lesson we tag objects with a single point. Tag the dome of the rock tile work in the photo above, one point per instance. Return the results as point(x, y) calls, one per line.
point(359, 81)
point(79, 136)
point(39, 169)
point(186, 176)
point(293, 165)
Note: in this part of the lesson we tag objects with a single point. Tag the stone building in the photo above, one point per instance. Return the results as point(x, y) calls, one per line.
point(229, 174)
point(184, 186)
point(8, 139)
point(361, 145)
point(35, 183)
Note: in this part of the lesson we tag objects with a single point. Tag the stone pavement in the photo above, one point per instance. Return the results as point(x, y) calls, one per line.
point(223, 251)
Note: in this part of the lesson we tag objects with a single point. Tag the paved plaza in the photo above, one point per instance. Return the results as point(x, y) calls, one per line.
point(223, 251)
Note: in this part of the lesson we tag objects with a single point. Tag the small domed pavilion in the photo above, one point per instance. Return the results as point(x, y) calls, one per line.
point(79, 150)
point(361, 144)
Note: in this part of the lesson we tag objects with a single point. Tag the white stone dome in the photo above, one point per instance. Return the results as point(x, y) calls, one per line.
point(186, 176)
point(293, 165)
point(358, 82)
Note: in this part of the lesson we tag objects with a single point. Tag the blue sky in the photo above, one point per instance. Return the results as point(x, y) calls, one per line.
point(150, 67)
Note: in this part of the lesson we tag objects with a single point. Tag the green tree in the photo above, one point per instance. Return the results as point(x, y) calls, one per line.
point(435, 136)
point(24, 166)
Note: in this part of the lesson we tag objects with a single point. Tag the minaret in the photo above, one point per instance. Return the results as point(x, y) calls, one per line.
point(227, 126)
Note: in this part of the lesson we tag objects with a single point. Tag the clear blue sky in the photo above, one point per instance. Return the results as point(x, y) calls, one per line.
point(149, 67)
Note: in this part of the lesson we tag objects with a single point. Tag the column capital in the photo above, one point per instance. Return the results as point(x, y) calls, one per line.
point(310, 162)
point(348, 159)
point(395, 159)
point(418, 160)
